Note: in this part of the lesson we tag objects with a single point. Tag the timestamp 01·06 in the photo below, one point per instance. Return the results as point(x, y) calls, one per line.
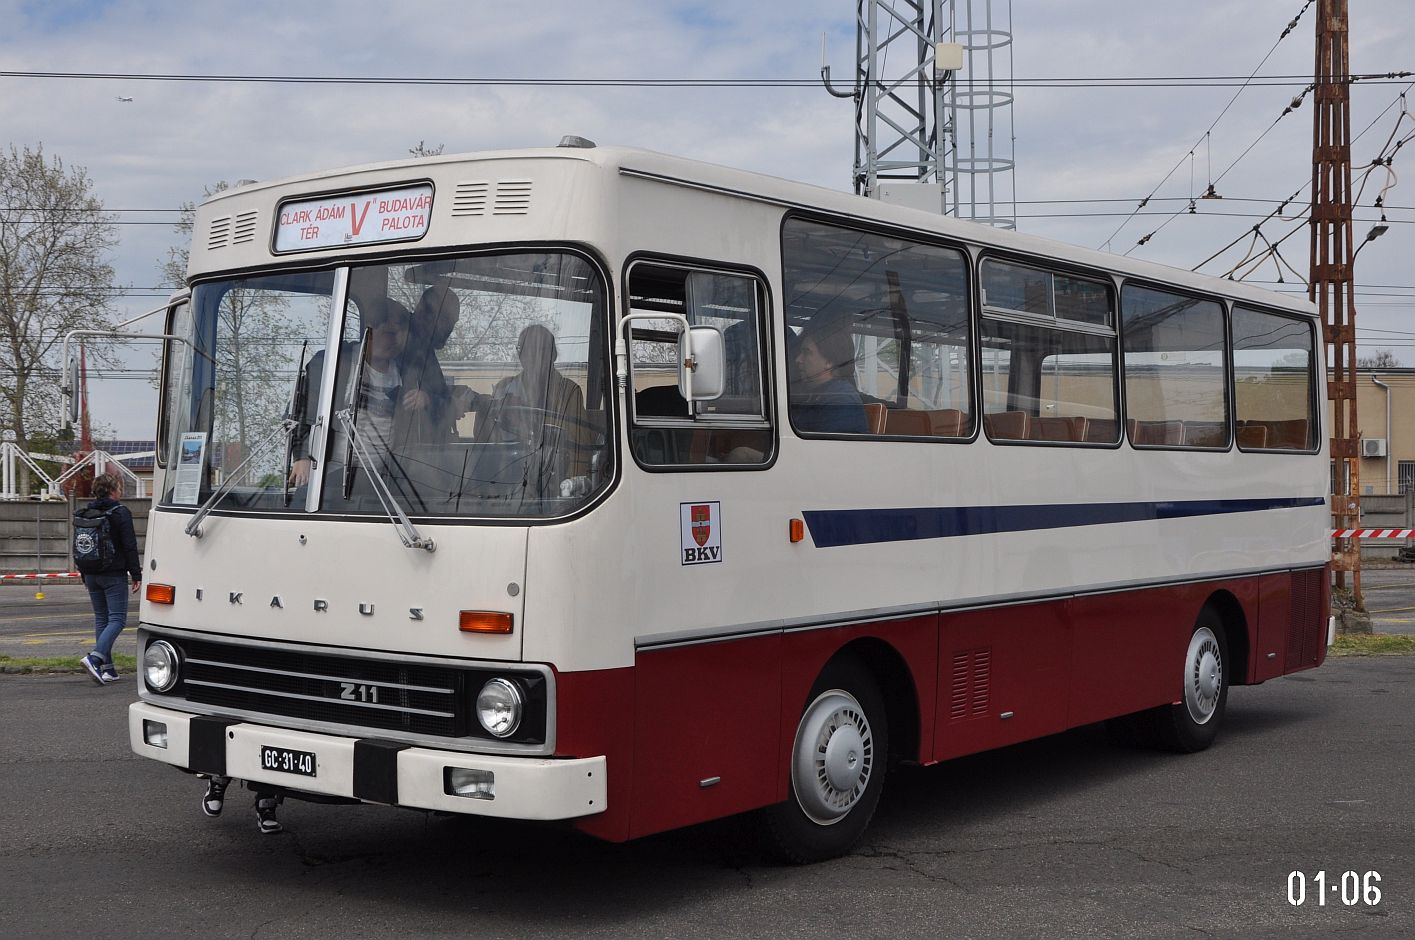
point(1350, 887)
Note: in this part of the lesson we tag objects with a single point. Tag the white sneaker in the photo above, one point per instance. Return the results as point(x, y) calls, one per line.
point(91, 664)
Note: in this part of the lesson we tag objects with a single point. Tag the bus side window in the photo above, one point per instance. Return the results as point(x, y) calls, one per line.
point(733, 429)
point(1175, 383)
point(1274, 378)
point(882, 334)
point(1049, 349)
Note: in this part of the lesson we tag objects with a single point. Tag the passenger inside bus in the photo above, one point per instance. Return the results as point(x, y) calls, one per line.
point(823, 393)
point(426, 392)
point(538, 407)
point(381, 421)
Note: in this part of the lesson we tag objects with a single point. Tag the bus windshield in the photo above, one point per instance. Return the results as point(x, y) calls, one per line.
point(469, 386)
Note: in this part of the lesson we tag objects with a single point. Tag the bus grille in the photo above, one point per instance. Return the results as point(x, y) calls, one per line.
point(392, 696)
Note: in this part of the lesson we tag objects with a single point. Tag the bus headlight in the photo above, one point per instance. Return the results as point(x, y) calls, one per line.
point(499, 707)
point(159, 666)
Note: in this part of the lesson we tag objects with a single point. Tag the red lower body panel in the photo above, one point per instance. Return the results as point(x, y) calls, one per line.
point(705, 729)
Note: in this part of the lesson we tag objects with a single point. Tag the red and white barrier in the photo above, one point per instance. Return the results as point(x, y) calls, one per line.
point(35, 576)
point(1373, 534)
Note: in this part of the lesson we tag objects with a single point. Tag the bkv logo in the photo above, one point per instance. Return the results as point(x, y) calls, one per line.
point(85, 542)
point(700, 533)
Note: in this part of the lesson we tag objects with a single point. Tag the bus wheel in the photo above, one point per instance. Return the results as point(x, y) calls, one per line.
point(838, 763)
point(1192, 724)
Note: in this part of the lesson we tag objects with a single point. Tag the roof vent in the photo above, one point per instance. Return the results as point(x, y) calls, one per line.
point(571, 140)
point(219, 234)
point(244, 230)
point(513, 197)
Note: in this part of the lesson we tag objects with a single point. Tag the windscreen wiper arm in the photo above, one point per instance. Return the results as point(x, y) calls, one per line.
point(283, 430)
point(407, 532)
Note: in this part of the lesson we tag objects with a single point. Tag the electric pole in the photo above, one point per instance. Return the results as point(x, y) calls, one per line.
point(1333, 287)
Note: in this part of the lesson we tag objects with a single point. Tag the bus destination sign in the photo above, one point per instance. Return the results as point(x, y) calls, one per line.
point(360, 219)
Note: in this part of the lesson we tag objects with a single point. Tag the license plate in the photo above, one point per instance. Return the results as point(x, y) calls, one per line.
point(287, 761)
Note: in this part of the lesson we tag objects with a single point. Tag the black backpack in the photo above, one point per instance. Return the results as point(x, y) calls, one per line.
point(94, 548)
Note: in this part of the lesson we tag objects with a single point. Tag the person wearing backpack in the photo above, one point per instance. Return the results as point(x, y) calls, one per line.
point(106, 554)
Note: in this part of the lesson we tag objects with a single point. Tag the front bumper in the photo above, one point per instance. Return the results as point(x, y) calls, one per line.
point(375, 770)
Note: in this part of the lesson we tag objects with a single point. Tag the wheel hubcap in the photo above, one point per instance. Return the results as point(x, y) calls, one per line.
point(833, 757)
point(1204, 680)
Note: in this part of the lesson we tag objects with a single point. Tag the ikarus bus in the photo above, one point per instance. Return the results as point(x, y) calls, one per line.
point(598, 485)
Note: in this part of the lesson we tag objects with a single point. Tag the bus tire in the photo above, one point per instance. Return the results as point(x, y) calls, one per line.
point(838, 761)
point(1192, 723)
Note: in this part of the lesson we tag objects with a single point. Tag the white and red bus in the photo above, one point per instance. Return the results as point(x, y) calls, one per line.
point(938, 488)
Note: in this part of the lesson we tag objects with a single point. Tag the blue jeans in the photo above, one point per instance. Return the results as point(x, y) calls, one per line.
point(109, 595)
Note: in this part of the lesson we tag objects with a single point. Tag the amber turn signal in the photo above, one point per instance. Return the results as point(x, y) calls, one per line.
point(161, 593)
point(798, 531)
point(483, 621)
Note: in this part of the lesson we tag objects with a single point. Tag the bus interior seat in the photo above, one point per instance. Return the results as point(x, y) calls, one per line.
point(1007, 425)
point(875, 413)
point(1100, 431)
point(908, 422)
point(1056, 428)
point(1289, 435)
point(1205, 434)
point(1252, 434)
point(1158, 433)
point(947, 422)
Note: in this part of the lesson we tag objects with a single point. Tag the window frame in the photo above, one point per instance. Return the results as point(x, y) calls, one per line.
point(1314, 403)
point(1053, 267)
point(966, 251)
point(766, 362)
point(1225, 306)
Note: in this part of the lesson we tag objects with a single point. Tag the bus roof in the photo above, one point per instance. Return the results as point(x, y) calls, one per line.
point(680, 171)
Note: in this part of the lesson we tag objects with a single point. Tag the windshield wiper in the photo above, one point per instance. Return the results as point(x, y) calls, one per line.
point(297, 401)
point(284, 429)
point(407, 532)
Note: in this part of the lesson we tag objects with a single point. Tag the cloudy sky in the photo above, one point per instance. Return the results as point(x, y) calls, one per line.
point(1085, 155)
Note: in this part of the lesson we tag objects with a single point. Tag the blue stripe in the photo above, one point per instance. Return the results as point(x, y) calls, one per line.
point(832, 528)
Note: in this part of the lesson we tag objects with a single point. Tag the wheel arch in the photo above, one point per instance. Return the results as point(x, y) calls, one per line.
point(1237, 631)
point(897, 687)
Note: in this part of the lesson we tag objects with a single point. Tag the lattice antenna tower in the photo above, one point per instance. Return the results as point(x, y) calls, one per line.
point(908, 104)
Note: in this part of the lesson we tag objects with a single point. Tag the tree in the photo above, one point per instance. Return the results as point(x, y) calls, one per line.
point(54, 277)
point(423, 150)
point(1380, 359)
point(254, 364)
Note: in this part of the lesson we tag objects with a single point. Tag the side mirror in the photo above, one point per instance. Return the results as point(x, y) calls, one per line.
point(701, 350)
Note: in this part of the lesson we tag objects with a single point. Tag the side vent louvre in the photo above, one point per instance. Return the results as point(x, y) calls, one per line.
point(969, 690)
point(513, 197)
point(219, 235)
point(470, 198)
point(1305, 628)
point(245, 228)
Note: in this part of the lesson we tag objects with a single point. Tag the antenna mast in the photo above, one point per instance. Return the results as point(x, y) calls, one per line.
point(909, 108)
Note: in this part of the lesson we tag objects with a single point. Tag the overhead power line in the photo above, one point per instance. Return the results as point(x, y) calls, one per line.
point(1112, 81)
point(1206, 137)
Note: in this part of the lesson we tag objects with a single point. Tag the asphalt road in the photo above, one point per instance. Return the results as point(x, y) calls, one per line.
point(1390, 598)
point(58, 624)
point(1064, 837)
